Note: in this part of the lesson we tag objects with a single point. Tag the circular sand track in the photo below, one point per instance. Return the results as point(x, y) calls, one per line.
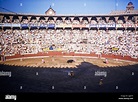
point(61, 62)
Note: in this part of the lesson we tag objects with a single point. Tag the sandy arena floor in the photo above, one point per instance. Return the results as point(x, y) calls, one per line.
point(53, 76)
point(61, 62)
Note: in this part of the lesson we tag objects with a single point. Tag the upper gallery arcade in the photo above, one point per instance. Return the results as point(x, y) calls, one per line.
point(116, 19)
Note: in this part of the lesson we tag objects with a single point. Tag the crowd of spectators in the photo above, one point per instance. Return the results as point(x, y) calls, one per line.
point(118, 42)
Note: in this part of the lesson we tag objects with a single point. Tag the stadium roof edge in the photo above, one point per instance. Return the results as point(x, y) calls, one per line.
point(73, 15)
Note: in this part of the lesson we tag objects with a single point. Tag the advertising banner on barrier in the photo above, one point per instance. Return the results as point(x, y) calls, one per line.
point(83, 26)
point(68, 25)
point(16, 25)
point(1, 24)
point(111, 25)
point(101, 25)
point(7, 25)
point(51, 25)
point(129, 25)
point(33, 25)
point(24, 25)
point(59, 26)
point(87, 26)
point(119, 25)
point(76, 26)
point(93, 25)
point(42, 25)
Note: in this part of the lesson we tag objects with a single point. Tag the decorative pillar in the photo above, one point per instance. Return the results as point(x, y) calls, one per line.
point(11, 17)
point(80, 18)
point(55, 18)
point(116, 20)
point(126, 18)
point(29, 18)
point(46, 18)
point(37, 18)
point(20, 18)
point(107, 19)
point(1, 18)
point(98, 18)
point(89, 20)
point(63, 18)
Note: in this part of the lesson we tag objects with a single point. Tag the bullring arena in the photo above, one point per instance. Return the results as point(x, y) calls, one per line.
point(69, 53)
point(56, 60)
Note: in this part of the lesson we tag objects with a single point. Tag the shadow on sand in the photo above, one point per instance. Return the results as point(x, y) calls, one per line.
point(58, 80)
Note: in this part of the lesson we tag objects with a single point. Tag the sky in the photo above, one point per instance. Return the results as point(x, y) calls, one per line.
point(65, 6)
